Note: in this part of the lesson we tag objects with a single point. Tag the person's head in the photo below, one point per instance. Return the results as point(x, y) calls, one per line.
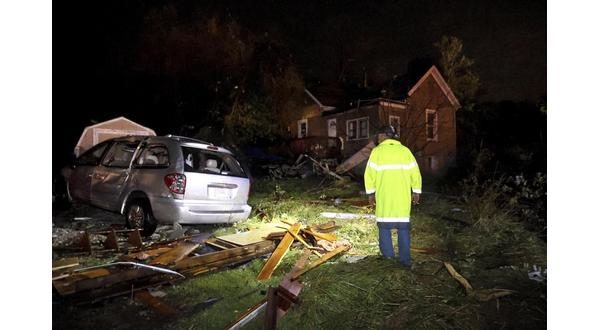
point(387, 132)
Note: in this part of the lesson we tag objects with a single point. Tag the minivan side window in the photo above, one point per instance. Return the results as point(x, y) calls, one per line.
point(120, 154)
point(92, 156)
point(211, 162)
point(153, 156)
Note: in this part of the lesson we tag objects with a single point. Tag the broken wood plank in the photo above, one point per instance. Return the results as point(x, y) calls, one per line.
point(326, 236)
point(270, 320)
point(226, 262)
point(208, 258)
point(459, 277)
point(176, 254)
point(145, 254)
point(324, 227)
point(278, 254)
point(135, 239)
point(361, 156)
point(64, 264)
point(220, 244)
point(479, 294)
point(111, 242)
point(321, 260)
point(311, 248)
point(276, 236)
point(157, 304)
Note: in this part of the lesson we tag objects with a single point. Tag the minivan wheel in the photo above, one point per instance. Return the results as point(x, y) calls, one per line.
point(139, 215)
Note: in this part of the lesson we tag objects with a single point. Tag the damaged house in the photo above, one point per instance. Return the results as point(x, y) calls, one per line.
point(425, 119)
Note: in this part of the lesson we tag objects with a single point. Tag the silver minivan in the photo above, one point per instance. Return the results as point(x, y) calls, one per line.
point(161, 179)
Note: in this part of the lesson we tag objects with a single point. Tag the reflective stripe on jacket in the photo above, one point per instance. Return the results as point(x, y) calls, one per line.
point(391, 173)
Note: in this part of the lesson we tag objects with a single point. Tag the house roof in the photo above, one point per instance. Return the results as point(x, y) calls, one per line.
point(437, 76)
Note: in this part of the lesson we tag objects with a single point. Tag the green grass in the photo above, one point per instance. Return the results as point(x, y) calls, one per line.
point(373, 293)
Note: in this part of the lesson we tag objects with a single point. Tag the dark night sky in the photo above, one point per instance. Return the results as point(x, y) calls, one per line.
point(94, 46)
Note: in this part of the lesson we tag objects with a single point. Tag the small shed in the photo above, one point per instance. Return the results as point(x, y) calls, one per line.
point(109, 129)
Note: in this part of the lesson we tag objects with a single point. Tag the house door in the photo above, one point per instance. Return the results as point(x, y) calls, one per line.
point(332, 127)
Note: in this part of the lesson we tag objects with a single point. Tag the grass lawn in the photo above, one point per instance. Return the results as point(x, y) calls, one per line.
point(370, 293)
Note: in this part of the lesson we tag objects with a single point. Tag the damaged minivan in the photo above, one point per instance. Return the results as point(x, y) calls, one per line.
point(161, 179)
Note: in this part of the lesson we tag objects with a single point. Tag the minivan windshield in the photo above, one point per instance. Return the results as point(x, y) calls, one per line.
point(211, 162)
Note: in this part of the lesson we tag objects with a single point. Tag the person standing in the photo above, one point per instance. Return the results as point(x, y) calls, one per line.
point(393, 182)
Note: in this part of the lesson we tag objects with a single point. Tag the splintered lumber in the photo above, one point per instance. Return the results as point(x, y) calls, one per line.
point(479, 294)
point(279, 252)
point(225, 257)
point(359, 157)
point(145, 254)
point(459, 278)
point(134, 238)
point(219, 244)
point(64, 265)
point(311, 248)
point(176, 254)
point(326, 236)
point(157, 304)
point(321, 260)
point(324, 168)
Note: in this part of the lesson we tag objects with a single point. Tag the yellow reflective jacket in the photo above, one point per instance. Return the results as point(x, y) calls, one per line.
point(391, 173)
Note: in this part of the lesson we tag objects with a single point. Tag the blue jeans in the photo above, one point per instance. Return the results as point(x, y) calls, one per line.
point(385, 240)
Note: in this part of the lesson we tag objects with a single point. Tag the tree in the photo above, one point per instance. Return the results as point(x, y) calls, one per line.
point(458, 70)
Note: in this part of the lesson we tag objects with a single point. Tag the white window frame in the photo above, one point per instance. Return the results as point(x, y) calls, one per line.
point(300, 122)
point(357, 121)
point(435, 125)
point(399, 122)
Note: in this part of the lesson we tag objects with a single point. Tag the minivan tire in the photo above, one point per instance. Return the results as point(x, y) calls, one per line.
point(138, 214)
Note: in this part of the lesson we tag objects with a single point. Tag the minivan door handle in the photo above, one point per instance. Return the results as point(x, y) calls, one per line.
point(223, 185)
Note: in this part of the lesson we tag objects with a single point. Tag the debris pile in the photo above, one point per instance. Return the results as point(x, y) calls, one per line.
point(141, 268)
point(304, 166)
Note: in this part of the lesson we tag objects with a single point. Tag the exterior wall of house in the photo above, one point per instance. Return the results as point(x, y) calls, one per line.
point(433, 156)
point(309, 111)
point(352, 146)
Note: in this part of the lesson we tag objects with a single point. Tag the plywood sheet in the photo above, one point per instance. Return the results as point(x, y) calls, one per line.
point(252, 236)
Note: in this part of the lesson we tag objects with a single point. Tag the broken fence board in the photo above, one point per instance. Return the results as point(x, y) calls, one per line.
point(208, 258)
point(321, 260)
point(278, 254)
point(176, 254)
point(194, 271)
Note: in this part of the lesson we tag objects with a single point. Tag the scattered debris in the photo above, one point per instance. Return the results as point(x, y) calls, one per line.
point(347, 216)
point(479, 294)
point(538, 274)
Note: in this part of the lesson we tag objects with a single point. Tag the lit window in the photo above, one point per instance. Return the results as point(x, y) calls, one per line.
point(395, 121)
point(302, 128)
point(431, 125)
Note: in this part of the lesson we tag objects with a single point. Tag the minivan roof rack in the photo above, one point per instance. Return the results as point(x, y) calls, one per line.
point(187, 139)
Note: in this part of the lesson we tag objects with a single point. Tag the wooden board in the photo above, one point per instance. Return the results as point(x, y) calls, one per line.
point(250, 237)
point(225, 257)
point(278, 254)
point(321, 260)
point(326, 236)
point(176, 254)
